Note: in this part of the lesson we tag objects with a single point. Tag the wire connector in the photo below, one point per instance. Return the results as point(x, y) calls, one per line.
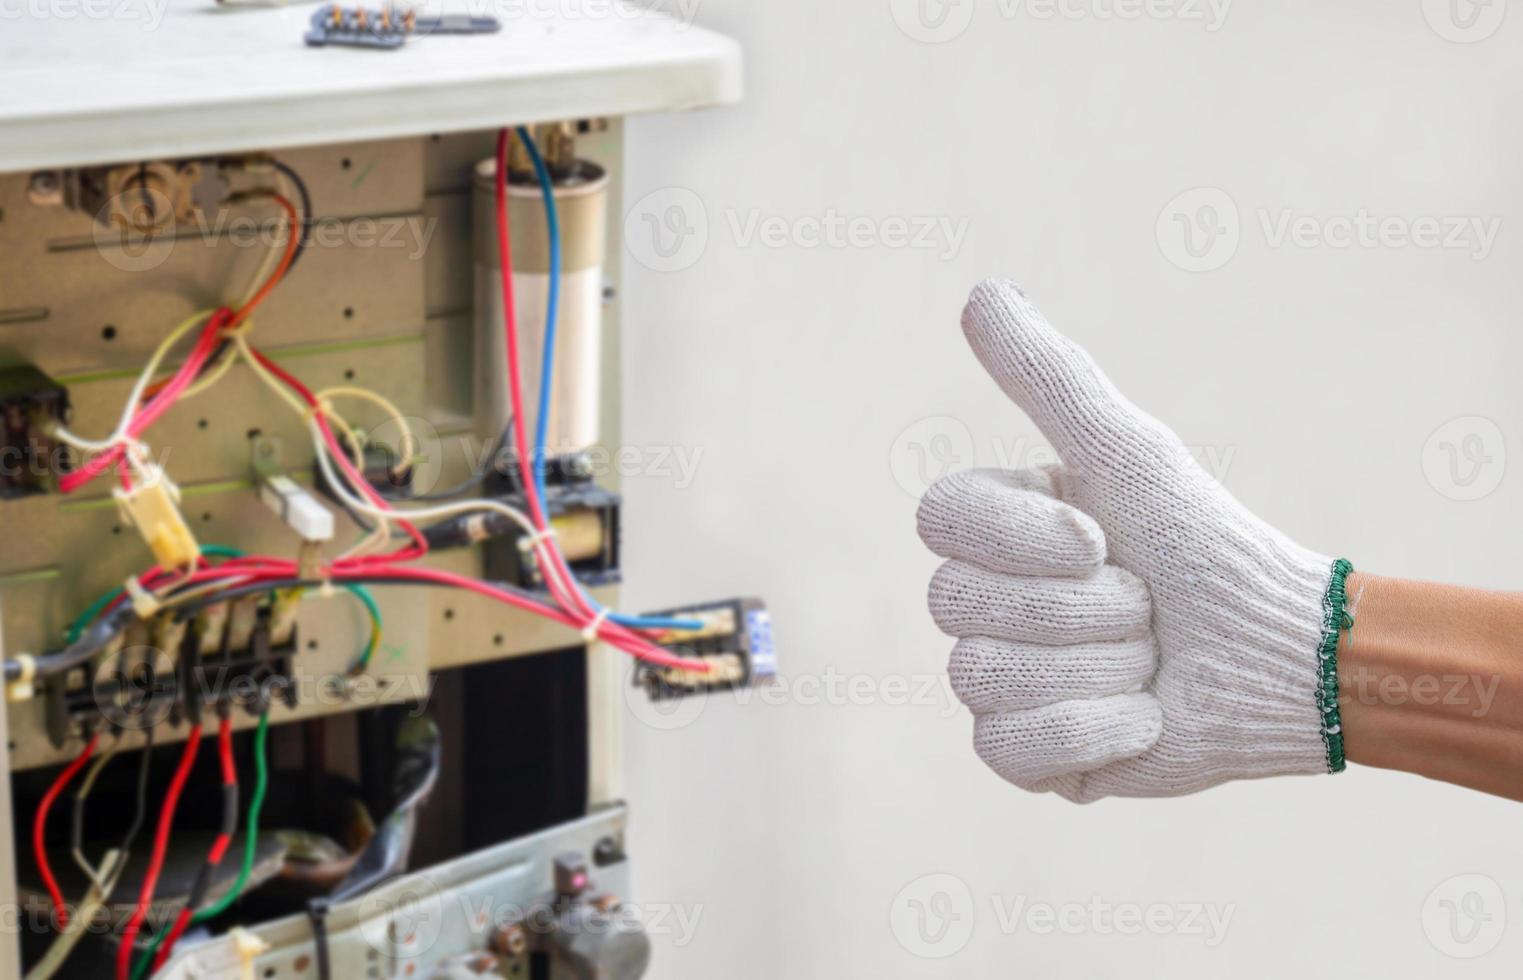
point(144, 603)
point(153, 507)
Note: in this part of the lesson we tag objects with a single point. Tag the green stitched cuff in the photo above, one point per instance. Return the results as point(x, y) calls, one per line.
point(1335, 619)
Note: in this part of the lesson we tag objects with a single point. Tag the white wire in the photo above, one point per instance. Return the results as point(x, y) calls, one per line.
point(119, 434)
point(350, 493)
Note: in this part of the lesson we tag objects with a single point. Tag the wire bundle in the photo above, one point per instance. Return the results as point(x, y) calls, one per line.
point(222, 340)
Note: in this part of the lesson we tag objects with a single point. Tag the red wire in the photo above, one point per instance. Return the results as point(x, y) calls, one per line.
point(151, 412)
point(160, 846)
point(39, 824)
point(558, 576)
point(292, 247)
point(219, 846)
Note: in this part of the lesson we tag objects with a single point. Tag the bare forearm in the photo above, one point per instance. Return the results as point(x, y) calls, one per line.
point(1432, 682)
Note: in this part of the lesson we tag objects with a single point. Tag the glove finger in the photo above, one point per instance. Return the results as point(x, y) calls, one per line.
point(990, 675)
point(1057, 383)
point(1112, 604)
point(1067, 737)
point(1009, 521)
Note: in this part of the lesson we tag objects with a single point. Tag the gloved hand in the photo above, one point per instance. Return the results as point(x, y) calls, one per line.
point(1124, 626)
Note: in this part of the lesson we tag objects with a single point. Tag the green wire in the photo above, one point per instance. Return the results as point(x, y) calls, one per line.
point(77, 628)
point(250, 848)
point(85, 618)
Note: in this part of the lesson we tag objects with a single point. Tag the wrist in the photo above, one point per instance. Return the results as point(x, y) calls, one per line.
point(1431, 682)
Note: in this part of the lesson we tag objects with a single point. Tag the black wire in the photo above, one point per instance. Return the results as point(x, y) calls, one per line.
point(471, 482)
point(317, 914)
point(188, 609)
point(104, 630)
point(307, 217)
point(95, 639)
point(142, 793)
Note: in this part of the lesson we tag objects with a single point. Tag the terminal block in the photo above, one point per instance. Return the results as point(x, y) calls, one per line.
point(239, 653)
point(585, 518)
point(734, 640)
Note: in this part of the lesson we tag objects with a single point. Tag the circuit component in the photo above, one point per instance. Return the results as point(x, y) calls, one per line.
point(734, 640)
point(389, 27)
point(234, 653)
point(30, 459)
point(584, 516)
point(153, 507)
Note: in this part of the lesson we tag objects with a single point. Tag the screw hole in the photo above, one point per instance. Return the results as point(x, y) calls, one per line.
point(202, 423)
point(206, 515)
point(116, 529)
point(449, 614)
point(311, 644)
point(497, 640)
point(108, 332)
point(346, 163)
point(349, 374)
point(348, 313)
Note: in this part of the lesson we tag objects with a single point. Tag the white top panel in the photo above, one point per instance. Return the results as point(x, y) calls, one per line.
point(96, 81)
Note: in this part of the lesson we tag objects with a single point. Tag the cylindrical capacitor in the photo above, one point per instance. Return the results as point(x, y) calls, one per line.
point(581, 201)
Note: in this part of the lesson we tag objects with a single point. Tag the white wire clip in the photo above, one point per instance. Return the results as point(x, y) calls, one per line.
point(22, 688)
point(531, 543)
point(144, 603)
point(590, 631)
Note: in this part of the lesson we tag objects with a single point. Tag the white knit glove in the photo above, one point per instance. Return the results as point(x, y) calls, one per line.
point(1125, 627)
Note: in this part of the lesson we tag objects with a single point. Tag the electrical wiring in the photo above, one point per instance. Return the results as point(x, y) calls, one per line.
point(77, 830)
point(39, 827)
point(408, 448)
point(308, 216)
point(118, 434)
point(547, 375)
point(160, 847)
point(161, 948)
point(219, 323)
point(150, 413)
point(557, 575)
point(250, 848)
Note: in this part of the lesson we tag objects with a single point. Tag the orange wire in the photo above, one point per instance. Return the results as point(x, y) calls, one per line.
point(285, 262)
point(292, 247)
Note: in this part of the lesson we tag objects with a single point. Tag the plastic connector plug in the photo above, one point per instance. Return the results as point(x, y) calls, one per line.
point(298, 508)
point(153, 507)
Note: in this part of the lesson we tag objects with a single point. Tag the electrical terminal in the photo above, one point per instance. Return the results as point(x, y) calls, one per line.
point(734, 640)
point(153, 508)
point(242, 621)
point(297, 507)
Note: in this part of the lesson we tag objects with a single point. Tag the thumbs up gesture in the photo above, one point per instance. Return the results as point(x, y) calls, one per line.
point(1124, 626)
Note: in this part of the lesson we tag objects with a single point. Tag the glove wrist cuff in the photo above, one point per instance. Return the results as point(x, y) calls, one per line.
point(1335, 619)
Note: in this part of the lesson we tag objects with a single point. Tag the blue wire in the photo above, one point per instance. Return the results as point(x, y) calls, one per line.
point(547, 372)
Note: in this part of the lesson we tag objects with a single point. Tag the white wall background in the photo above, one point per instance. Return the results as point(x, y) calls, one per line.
point(1317, 375)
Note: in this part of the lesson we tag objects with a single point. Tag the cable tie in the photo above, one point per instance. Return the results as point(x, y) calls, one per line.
point(22, 689)
point(144, 603)
point(590, 631)
point(531, 542)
